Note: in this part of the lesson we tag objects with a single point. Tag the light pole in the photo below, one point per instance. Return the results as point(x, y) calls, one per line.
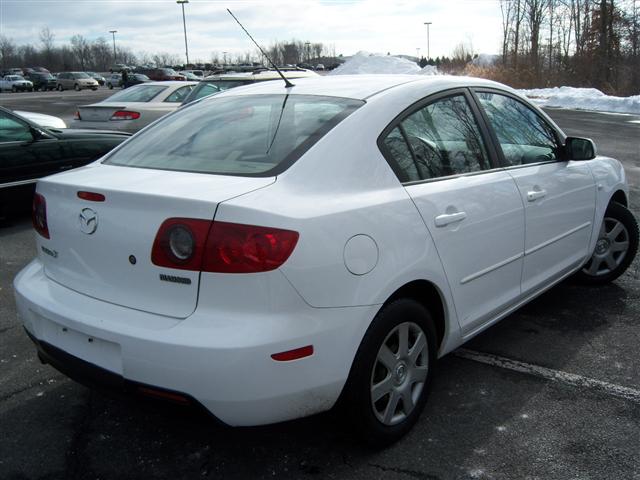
point(225, 57)
point(184, 24)
point(418, 53)
point(308, 45)
point(113, 34)
point(428, 49)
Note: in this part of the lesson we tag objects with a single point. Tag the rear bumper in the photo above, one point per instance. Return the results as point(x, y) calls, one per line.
point(224, 363)
point(129, 126)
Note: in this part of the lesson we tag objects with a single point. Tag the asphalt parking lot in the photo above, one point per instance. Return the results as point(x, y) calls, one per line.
point(551, 392)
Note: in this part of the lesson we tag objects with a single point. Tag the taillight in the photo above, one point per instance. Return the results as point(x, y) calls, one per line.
point(39, 215)
point(236, 248)
point(222, 247)
point(76, 116)
point(125, 115)
point(180, 243)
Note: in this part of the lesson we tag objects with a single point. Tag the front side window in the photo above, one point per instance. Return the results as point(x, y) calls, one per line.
point(137, 93)
point(443, 139)
point(13, 130)
point(247, 135)
point(524, 136)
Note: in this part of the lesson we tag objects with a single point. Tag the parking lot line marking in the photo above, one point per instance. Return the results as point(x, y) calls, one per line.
point(550, 374)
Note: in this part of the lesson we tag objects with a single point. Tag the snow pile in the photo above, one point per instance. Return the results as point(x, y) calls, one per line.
point(485, 60)
point(364, 62)
point(583, 99)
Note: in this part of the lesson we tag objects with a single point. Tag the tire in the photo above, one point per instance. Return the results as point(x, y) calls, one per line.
point(14, 89)
point(94, 88)
point(60, 87)
point(76, 87)
point(110, 86)
point(402, 379)
point(616, 247)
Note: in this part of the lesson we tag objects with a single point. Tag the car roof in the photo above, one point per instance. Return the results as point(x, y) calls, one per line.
point(360, 87)
point(260, 75)
point(172, 83)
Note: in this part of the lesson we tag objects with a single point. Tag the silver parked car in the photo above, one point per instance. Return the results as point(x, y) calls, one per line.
point(136, 107)
point(75, 80)
point(114, 80)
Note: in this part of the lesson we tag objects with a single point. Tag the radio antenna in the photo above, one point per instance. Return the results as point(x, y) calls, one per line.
point(287, 83)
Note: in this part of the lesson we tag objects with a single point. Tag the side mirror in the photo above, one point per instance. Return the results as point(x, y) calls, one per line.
point(579, 148)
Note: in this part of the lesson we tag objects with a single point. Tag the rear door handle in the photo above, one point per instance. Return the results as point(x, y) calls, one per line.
point(448, 218)
point(534, 195)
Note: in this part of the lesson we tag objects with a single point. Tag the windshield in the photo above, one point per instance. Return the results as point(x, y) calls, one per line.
point(253, 135)
point(137, 93)
point(206, 88)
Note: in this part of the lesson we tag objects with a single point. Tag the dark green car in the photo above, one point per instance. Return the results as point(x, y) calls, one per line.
point(29, 152)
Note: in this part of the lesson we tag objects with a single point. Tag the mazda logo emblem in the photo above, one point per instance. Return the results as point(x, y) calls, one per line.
point(88, 221)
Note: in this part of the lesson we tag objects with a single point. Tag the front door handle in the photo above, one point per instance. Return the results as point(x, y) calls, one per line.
point(534, 195)
point(448, 218)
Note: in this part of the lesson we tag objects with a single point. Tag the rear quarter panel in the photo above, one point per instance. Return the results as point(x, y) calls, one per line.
point(341, 188)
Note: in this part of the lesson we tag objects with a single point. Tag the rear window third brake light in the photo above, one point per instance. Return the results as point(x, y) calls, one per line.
point(222, 247)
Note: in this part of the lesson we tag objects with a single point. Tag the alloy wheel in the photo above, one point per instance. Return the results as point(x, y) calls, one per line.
point(611, 248)
point(399, 373)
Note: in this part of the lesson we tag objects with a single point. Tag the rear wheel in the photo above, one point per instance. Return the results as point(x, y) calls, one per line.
point(615, 249)
point(60, 87)
point(14, 89)
point(76, 87)
point(110, 86)
point(389, 381)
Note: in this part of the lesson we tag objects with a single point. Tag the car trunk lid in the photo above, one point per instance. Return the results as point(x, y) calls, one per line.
point(103, 248)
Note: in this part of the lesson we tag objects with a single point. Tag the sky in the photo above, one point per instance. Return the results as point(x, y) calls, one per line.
point(152, 26)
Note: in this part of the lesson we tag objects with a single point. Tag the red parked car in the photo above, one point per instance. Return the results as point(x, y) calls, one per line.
point(162, 74)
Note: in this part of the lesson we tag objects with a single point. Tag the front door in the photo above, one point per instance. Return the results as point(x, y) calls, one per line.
point(559, 194)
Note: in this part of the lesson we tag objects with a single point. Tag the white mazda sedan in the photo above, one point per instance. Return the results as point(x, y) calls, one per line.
point(269, 252)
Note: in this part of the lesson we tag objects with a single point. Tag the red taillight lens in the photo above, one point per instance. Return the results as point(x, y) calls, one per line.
point(76, 116)
point(125, 115)
point(39, 215)
point(221, 247)
point(180, 243)
point(235, 248)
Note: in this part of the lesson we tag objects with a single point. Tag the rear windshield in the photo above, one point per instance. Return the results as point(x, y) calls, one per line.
point(137, 93)
point(252, 135)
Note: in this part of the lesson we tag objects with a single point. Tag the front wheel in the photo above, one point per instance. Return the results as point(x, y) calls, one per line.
point(615, 249)
point(59, 87)
point(389, 381)
point(76, 87)
point(110, 87)
point(14, 89)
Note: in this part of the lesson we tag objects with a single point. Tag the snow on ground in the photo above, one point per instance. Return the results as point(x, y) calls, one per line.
point(583, 99)
point(364, 63)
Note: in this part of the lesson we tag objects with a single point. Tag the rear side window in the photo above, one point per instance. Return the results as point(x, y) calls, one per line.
point(137, 93)
point(523, 135)
point(179, 95)
point(441, 139)
point(250, 135)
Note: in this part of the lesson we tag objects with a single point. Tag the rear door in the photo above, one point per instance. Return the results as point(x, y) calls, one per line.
point(559, 195)
point(471, 208)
